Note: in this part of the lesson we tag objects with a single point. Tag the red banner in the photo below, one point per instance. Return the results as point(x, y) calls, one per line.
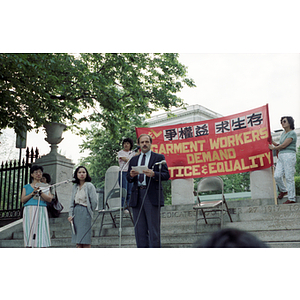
point(227, 145)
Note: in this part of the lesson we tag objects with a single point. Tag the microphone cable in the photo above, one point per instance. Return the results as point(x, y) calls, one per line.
point(119, 178)
point(138, 217)
point(34, 221)
point(111, 191)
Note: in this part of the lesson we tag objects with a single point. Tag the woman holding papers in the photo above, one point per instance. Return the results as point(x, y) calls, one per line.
point(83, 203)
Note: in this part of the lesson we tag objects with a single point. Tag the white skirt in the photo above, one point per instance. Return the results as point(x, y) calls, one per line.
point(36, 227)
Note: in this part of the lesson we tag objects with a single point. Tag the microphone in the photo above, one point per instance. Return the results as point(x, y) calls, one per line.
point(136, 149)
point(163, 162)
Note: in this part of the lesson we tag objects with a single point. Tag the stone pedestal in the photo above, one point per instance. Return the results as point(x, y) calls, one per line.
point(60, 169)
point(56, 165)
point(262, 184)
point(182, 191)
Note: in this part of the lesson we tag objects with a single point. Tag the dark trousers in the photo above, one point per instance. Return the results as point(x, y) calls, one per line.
point(147, 222)
point(125, 185)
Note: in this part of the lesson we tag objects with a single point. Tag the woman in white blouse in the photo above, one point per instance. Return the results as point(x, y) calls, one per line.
point(83, 203)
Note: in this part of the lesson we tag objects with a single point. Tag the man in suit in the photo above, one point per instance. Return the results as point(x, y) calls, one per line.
point(145, 194)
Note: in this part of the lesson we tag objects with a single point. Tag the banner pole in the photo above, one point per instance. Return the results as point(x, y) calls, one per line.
point(274, 186)
point(270, 142)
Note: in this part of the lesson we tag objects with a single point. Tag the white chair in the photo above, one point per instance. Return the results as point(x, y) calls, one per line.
point(114, 212)
point(206, 185)
point(111, 203)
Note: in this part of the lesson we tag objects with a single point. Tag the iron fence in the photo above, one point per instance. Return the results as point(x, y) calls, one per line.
point(13, 176)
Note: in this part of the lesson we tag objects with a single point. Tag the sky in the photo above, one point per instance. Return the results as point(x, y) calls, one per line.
point(232, 83)
point(225, 83)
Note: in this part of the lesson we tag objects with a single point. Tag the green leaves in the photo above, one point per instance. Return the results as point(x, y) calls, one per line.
point(46, 87)
point(103, 147)
point(119, 89)
point(37, 88)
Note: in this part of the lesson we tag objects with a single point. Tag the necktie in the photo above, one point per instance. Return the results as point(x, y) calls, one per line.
point(141, 176)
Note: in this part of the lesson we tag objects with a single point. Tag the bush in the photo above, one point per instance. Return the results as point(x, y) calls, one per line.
point(297, 185)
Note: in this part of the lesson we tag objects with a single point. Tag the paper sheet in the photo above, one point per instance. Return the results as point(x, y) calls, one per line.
point(140, 169)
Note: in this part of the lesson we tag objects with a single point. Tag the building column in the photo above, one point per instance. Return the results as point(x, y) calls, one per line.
point(182, 191)
point(262, 184)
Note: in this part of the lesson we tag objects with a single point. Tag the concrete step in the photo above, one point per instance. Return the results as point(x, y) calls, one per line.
point(274, 224)
point(283, 244)
point(12, 243)
point(181, 241)
point(278, 235)
point(277, 225)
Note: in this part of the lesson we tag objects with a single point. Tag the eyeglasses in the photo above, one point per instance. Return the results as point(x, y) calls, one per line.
point(37, 172)
point(283, 121)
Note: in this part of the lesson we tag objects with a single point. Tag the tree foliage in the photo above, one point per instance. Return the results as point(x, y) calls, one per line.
point(41, 88)
point(236, 183)
point(103, 148)
point(298, 162)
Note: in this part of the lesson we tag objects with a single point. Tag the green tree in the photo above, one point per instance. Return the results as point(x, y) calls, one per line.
point(298, 162)
point(236, 183)
point(40, 88)
point(103, 147)
point(297, 175)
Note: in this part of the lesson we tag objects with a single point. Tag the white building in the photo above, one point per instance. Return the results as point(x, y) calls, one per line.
point(192, 113)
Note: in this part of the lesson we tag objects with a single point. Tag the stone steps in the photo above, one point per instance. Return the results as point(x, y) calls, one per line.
point(277, 225)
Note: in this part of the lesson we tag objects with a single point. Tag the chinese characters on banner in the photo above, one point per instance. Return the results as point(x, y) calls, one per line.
point(227, 145)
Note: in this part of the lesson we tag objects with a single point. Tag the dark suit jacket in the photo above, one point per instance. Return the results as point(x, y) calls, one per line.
point(153, 191)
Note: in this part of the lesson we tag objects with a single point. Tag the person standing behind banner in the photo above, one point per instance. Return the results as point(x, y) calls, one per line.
point(35, 216)
point(83, 203)
point(145, 194)
point(286, 160)
point(124, 156)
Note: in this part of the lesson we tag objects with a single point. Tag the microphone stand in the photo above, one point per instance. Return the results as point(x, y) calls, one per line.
point(159, 198)
point(55, 184)
point(38, 206)
point(33, 240)
point(159, 195)
point(121, 192)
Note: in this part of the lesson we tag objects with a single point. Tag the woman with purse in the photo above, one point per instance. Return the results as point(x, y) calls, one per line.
point(54, 207)
point(83, 203)
point(35, 216)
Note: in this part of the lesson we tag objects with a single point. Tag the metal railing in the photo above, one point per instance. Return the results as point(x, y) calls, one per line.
point(13, 176)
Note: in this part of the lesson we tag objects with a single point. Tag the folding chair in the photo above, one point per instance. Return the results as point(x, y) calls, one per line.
point(114, 212)
point(206, 185)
